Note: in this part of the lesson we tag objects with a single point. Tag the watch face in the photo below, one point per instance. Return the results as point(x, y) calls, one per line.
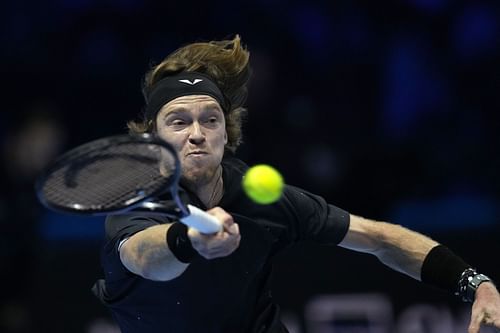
point(478, 279)
point(473, 282)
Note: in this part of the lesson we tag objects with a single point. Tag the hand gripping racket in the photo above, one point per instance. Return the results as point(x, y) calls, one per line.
point(120, 174)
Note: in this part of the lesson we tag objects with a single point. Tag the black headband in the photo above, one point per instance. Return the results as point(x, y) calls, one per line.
point(182, 84)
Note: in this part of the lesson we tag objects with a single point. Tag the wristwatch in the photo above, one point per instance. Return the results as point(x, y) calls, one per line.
point(468, 284)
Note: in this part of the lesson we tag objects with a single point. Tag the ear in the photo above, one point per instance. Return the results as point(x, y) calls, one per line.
point(225, 137)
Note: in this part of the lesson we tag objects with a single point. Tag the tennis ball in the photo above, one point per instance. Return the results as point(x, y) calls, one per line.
point(263, 184)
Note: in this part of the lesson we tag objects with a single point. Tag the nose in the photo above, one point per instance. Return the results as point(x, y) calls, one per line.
point(196, 135)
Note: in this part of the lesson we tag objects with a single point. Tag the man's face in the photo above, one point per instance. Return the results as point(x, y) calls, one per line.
point(196, 128)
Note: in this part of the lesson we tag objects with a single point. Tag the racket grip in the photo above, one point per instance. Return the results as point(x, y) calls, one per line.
point(201, 221)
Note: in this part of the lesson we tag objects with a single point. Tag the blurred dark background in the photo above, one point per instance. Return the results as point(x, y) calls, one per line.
point(389, 109)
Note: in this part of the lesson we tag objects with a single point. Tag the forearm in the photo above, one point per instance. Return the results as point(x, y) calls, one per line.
point(397, 247)
point(148, 255)
point(404, 250)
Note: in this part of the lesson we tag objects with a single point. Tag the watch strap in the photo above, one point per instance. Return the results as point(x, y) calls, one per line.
point(468, 284)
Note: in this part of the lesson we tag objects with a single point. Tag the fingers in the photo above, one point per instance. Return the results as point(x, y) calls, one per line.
point(220, 244)
point(232, 229)
point(481, 316)
point(216, 246)
point(496, 325)
point(486, 308)
point(475, 323)
point(226, 219)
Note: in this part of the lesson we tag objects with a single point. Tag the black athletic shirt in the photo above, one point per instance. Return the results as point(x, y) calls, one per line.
point(223, 295)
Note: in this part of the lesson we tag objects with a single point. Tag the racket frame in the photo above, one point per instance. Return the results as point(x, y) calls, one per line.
point(141, 202)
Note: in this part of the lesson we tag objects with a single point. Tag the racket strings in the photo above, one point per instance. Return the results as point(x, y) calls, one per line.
point(110, 177)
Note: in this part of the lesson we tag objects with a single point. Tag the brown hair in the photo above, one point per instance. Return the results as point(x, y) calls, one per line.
point(225, 61)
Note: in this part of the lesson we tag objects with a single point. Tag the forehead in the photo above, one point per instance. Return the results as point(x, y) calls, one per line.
point(190, 102)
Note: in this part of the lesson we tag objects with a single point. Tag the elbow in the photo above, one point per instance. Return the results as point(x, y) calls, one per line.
point(365, 236)
point(150, 272)
point(152, 263)
point(143, 266)
point(153, 275)
point(150, 269)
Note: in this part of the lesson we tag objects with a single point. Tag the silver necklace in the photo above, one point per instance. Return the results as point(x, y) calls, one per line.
point(217, 192)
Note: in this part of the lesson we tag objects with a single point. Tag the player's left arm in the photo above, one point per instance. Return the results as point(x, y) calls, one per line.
point(397, 247)
point(406, 251)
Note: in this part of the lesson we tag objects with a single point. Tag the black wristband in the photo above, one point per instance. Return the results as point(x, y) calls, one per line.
point(443, 268)
point(179, 243)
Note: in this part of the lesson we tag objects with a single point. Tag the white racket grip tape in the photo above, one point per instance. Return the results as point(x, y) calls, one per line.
point(201, 221)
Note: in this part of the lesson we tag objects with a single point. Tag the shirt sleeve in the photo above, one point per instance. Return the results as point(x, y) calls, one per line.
point(118, 228)
point(316, 219)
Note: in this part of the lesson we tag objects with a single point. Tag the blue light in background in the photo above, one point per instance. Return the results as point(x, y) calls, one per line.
point(402, 87)
point(476, 32)
point(411, 86)
point(453, 212)
point(312, 27)
point(63, 227)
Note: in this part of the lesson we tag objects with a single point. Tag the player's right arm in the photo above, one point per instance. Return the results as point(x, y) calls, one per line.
point(147, 253)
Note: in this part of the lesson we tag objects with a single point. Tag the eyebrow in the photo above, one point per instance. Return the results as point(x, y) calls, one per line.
point(181, 109)
point(213, 105)
point(174, 110)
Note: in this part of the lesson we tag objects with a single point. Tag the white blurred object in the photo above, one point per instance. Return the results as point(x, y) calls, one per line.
point(351, 313)
point(102, 325)
point(425, 318)
point(291, 322)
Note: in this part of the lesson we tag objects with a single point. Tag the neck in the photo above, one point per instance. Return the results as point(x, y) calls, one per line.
point(211, 192)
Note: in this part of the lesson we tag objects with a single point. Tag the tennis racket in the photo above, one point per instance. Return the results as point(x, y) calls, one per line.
point(120, 174)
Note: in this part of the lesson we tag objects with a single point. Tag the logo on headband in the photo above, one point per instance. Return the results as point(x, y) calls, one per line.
point(195, 81)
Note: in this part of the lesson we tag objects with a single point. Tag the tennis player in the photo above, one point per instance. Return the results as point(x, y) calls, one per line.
point(161, 276)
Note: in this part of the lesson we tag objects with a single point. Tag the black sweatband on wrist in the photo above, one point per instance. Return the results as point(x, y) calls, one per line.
point(443, 268)
point(179, 243)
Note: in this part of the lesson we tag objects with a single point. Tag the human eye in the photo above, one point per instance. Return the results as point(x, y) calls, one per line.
point(176, 123)
point(212, 121)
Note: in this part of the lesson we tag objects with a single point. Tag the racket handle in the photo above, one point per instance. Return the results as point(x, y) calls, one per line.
point(201, 221)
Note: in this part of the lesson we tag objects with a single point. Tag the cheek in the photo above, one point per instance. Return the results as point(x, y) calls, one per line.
point(175, 139)
point(220, 141)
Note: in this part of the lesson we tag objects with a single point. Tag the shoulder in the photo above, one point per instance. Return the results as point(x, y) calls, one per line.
point(121, 226)
point(234, 165)
point(316, 219)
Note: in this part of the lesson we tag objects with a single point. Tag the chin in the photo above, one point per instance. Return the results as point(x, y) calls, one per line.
point(198, 176)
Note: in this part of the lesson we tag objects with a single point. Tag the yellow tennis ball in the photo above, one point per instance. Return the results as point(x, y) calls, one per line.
point(263, 184)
